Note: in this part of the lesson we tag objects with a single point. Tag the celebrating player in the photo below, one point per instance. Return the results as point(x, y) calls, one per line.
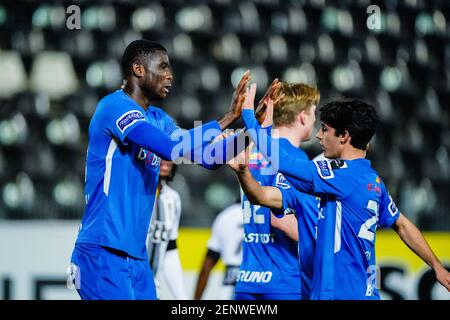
point(270, 267)
point(354, 202)
point(127, 137)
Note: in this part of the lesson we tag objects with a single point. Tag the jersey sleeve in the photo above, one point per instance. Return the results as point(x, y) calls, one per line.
point(170, 125)
point(388, 212)
point(332, 177)
point(291, 197)
point(326, 176)
point(120, 119)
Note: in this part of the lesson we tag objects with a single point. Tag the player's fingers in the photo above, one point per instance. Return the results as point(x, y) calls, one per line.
point(244, 81)
point(269, 114)
point(247, 104)
point(269, 91)
point(278, 98)
point(252, 94)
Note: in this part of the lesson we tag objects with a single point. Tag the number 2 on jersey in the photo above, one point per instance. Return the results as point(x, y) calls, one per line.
point(364, 231)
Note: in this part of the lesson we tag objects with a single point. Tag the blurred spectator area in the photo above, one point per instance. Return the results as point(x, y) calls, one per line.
point(51, 79)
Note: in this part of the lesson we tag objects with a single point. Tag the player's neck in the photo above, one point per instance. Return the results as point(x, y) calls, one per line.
point(135, 93)
point(288, 133)
point(351, 153)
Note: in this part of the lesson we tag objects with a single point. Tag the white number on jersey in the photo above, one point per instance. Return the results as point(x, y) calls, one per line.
point(250, 210)
point(365, 232)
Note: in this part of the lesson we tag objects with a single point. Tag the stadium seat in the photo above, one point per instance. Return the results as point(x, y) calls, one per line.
point(13, 78)
point(53, 73)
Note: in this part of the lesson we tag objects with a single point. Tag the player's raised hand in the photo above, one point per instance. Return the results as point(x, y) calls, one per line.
point(240, 95)
point(268, 118)
point(274, 93)
point(237, 103)
point(250, 97)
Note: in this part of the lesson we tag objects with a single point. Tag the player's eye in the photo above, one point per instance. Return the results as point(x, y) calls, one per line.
point(324, 128)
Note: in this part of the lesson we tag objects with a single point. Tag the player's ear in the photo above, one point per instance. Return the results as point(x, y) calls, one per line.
point(345, 137)
point(138, 70)
point(302, 117)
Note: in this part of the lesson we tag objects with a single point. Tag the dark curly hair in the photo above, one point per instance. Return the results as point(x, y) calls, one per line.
point(136, 51)
point(355, 116)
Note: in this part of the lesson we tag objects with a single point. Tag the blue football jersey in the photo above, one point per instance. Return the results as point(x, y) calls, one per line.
point(121, 178)
point(353, 203)
point(306, 208)
point(269, 257)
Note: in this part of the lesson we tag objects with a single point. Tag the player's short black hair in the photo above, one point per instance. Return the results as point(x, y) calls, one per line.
point(357, 117)
point(136, 51)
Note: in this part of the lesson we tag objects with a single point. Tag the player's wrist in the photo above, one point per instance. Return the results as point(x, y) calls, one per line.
point(226, 120)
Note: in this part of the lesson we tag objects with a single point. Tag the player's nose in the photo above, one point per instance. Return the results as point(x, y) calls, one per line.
point(169, 75)
point(319, 135)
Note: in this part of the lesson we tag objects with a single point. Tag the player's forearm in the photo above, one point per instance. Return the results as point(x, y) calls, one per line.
point(218, 153)
point(179, 144)
point(414, 239)
point(256, 194)
point(208, 265)
point(201, 284)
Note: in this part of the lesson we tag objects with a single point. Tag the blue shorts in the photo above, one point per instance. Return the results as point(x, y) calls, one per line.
point(267, 296)
point(107, 274)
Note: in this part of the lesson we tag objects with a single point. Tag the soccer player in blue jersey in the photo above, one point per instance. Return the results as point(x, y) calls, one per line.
point(270, 266)
point(354, 202)
point(128, 135)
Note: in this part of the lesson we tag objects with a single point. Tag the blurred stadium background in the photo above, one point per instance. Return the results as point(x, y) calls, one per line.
point(51, 79)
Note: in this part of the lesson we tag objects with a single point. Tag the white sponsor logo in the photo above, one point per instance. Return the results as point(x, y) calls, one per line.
point(128, 119)
point(254, 276)
point(259, 238)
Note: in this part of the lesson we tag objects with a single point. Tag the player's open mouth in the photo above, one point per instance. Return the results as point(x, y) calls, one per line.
point(167, 89)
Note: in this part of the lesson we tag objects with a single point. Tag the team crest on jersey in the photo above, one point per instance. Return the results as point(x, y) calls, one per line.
point(392, 207)
point(128, 118)
point(281, 181)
